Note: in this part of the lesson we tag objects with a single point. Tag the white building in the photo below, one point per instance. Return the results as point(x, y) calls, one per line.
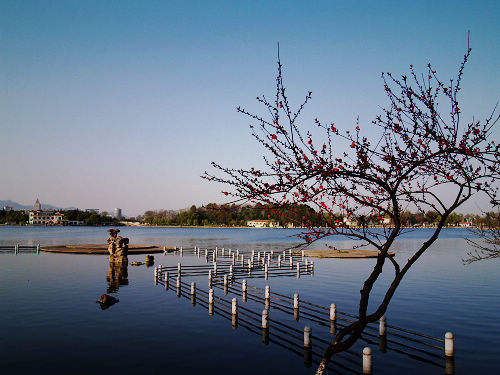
point(37, 216)
point(262, 224)
point(45, 218)
point(117, 213)
point(350, 223)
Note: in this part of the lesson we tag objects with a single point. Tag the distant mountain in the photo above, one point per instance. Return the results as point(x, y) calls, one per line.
point(18, 206)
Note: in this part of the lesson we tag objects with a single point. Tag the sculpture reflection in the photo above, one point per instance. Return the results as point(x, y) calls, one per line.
point(117, 276)
point(117, 270)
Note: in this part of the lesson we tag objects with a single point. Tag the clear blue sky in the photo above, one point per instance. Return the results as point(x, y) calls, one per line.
point(124, 103)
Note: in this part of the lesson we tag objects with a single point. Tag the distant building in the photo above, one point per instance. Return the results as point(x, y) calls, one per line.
point(96, 210)
point(8, 208)
point(117, 213)
point(73, 222)
point(465, 224)
point(45, 218)
point(37, 216)
point(262, 224)
point(350, 223)
point(37, 206)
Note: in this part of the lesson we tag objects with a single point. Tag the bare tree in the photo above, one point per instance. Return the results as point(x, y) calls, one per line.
point(425, 157)
point(487, 242)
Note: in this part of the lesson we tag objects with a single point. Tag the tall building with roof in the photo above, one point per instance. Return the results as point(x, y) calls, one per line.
point(40, 217)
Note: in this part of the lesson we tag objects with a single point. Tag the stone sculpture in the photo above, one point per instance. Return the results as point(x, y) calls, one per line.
point(117, 247)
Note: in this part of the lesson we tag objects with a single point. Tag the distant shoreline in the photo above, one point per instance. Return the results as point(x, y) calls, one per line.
point(209, 226)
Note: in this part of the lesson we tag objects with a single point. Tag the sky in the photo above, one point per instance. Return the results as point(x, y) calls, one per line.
point(124, 104)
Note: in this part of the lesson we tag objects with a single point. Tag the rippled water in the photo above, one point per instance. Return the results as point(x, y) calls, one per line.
point(52, 324)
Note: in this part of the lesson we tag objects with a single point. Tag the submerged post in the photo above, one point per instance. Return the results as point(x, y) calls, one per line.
point(448, 344)
point(296, 301)
point(211, 296)
point(244, 290)
point(211, 302)
point(166, 280)
point(209, 278)
point(265, 327)
point(307, 347)
point(265, 320)
point(367, 360)
point(307, 337)
point(382, 326)
point(193, 288)
point(333, 312)
point(234, 306)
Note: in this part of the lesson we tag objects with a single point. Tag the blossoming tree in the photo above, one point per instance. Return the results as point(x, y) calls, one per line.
point(425, 157)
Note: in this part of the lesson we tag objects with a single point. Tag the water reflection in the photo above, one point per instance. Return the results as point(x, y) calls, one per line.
point(107, 301)
point(117, 275)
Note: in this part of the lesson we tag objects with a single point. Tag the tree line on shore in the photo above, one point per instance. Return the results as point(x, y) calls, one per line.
point(297, 215)
point(21, 217)
point(230, 215)
point(90, 217)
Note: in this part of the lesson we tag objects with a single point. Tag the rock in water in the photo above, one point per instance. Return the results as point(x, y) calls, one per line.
point(107, 301)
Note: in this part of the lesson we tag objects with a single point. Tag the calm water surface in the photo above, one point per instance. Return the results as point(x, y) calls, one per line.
point(51, 323)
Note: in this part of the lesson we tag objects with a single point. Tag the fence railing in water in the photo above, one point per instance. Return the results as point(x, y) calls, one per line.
point(228, 277)
point(17, 248)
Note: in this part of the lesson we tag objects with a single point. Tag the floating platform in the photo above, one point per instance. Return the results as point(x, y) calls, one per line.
point(102, 249)
point(340, 253)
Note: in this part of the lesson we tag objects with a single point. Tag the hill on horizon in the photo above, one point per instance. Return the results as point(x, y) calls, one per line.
point(18, 206)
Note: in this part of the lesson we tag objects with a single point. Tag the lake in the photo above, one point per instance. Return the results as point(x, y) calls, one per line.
point(51, 322)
